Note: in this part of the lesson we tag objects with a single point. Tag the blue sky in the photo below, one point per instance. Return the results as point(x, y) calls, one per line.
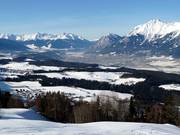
point(88, 18)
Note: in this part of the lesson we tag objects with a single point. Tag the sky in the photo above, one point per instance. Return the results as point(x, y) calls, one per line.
point(88, 18)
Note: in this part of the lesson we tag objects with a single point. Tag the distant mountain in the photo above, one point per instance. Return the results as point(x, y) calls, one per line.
point(40, 36)
point(106, 41)
point(155, 29)
point(154, 37)
point(10, 45)
point(55, 41)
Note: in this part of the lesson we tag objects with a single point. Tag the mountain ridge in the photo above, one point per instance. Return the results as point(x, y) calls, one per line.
point(40, 36)
point(156, 28)
point(154, 37)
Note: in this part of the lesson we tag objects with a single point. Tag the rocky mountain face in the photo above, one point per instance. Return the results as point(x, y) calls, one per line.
point(106, 41)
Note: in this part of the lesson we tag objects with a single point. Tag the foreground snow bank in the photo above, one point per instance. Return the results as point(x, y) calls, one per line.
point(25, 126)
point(30, 127)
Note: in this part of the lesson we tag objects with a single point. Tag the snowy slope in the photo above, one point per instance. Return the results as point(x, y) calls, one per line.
point(19, 123)
point(156, 29)
point(20, 114)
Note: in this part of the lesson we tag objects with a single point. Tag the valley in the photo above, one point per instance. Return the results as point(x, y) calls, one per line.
point(66, 84)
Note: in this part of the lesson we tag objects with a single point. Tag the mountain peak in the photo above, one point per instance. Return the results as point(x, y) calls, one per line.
point(109, 36)
point(106, 41)
point(156, 28)
point(7, 36)
point(155, 21)
point(70, 36)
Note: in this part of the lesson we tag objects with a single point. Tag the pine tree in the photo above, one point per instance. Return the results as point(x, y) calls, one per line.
point(170, 112)
point(132, 109)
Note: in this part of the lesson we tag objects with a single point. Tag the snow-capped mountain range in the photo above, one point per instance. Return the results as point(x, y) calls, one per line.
point(154, 37)
point(40, 36)
point(156, 29)
point(42, 42)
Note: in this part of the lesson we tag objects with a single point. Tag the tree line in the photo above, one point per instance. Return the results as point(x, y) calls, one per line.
point(60, 108)
point(157, 112)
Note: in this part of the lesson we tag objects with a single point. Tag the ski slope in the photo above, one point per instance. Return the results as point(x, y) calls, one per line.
point(19, 123)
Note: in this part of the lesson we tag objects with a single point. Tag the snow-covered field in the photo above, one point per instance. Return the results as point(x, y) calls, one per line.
point(27, 122)
point(171, 87)
point(9, 75)
point(29, 90)
point(25, 66)
point(110, 77)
